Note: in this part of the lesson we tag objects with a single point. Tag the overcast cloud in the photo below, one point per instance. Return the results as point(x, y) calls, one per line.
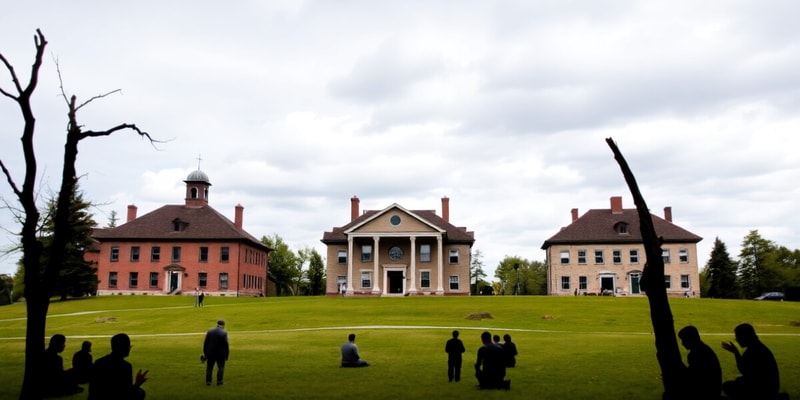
point(503, 106)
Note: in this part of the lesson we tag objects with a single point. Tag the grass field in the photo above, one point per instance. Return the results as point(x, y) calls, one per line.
point(288, 348)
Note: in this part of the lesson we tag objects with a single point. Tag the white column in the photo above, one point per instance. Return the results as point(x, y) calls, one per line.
point(349, 265)
point(376, 288)
point(439, 287)
point(413, 288)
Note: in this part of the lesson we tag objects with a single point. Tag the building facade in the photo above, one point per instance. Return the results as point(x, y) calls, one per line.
point(602, 252)
point(397, 252)
point(176, 249)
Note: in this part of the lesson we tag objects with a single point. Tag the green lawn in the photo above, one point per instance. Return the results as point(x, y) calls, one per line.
point(288, 348)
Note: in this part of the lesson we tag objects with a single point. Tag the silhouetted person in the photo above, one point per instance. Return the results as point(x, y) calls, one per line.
point(510, 350)
point(112, 376)
point(82, 363)
point(759, 379)
point(350, 357)
point(703, 374)
point(216, 350)
point(454, 348)
point(496, 340)
point(200, 298)
point(57, 382)
point(490, 366)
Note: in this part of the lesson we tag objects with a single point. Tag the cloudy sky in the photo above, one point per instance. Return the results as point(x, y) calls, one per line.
point(503, 106)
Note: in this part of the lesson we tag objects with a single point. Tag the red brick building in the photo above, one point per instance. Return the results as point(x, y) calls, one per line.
point(177, 248)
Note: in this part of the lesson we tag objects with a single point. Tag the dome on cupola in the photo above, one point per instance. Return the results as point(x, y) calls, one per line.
point(198, 176)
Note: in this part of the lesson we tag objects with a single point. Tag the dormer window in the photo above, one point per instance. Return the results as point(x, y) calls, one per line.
point(621, 228)
point(178, 225)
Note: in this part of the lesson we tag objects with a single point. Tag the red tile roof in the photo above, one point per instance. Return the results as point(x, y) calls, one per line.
point(598, 226)
point(198, 224)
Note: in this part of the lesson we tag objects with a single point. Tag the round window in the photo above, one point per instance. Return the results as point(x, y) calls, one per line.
point(395, 220)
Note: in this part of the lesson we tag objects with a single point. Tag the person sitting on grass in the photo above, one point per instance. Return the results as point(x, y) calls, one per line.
point(113, 375)
point(350, 357)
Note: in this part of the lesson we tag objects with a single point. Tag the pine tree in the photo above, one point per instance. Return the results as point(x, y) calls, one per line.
point(754, 265)
point(721, 270)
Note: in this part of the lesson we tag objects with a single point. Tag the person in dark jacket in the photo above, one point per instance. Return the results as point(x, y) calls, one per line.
point(216, 351)
point(490, 368)
point(510, 350)
point(454, 348)
point(82, 363)
point(703, 375)
point(759, 379)
point(57, 381)
point(112, 375)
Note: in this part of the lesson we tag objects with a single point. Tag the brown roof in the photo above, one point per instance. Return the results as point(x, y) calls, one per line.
point(598, 226)
point(453, 234)
point(198, 224)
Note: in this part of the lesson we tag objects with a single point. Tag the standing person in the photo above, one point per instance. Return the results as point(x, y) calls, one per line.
point(82, 363)
point(57, 381)
point(489, 367)
point(113, 375)
point(350, 357)
point(759, 379)
point(216, 350)
point(510, 350)
point(200, 298)
point(196, 297)
point(703, 374)
point(454, 348)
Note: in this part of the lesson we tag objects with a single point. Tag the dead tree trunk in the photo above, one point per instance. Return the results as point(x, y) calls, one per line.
point(40, 280)
point(667, 351)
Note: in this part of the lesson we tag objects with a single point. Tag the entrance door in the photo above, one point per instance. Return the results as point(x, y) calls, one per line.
point(607, 284)
point(396, 281)
point(173, 281)
point(635, 284)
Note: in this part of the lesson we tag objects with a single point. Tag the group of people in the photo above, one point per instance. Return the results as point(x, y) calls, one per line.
point(493, 359)
point(759, 371)
point(199, 296)
point(108, 377)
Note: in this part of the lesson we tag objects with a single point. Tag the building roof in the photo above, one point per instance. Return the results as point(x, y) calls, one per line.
point(452, 233)
point(601, 226)
point(196, 224)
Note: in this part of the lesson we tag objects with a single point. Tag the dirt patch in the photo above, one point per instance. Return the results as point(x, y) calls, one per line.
point(480, 315)
point(102, 320)
point(794, 323)
point(548, 316)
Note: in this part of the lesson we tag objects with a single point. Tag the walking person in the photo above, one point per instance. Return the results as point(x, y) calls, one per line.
point(200, 298)
point(216, 351)
point(454, 349)
point(196, 297)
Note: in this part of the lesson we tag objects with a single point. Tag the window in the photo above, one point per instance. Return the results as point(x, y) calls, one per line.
point(564, 283)
point(598, 256)
point(582, 282)
point(425, 279)
point(684, 281)
point(453, 256)
point(634, 256)
point(223, 280)
point(366, 279)
point(224, 254)
point(683, 255)
point(366, 253)
point(155, 253)
point(204, 254)
point(202, 279)
point(565, 256)
point(581, 256)
point(342, 257)
point(114, 254)
point(112, 279)
point(616, 255)
point(154, 279)
point(134, 253)
point(425, 253)
point(667, 282)
point(453, 282)
point(665, 255)
point(621, 228)
point(176, 253)
point(133, 279)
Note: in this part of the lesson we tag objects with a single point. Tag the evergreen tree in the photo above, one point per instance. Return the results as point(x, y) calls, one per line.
point(756, 265)
point(76, 277)
point(316, 273)
point(721, 273)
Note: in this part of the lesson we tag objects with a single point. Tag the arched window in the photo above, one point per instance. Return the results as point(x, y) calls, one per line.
point(194, 193)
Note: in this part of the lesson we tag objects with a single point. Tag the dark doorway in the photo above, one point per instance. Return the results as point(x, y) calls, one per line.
point(173, 281)
point(395, 281)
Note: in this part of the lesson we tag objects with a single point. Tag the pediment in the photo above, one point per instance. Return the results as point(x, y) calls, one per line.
point(394, 219)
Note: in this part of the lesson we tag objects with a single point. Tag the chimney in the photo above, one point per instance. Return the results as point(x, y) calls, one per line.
point(131, 213)
point(616, 205)
point(446, 209)
point(238, 214)
point(668, 213)
point(574, 214)
point(354, 208)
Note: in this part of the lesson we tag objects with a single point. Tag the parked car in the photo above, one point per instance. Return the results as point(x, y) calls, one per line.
point(770, 296)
